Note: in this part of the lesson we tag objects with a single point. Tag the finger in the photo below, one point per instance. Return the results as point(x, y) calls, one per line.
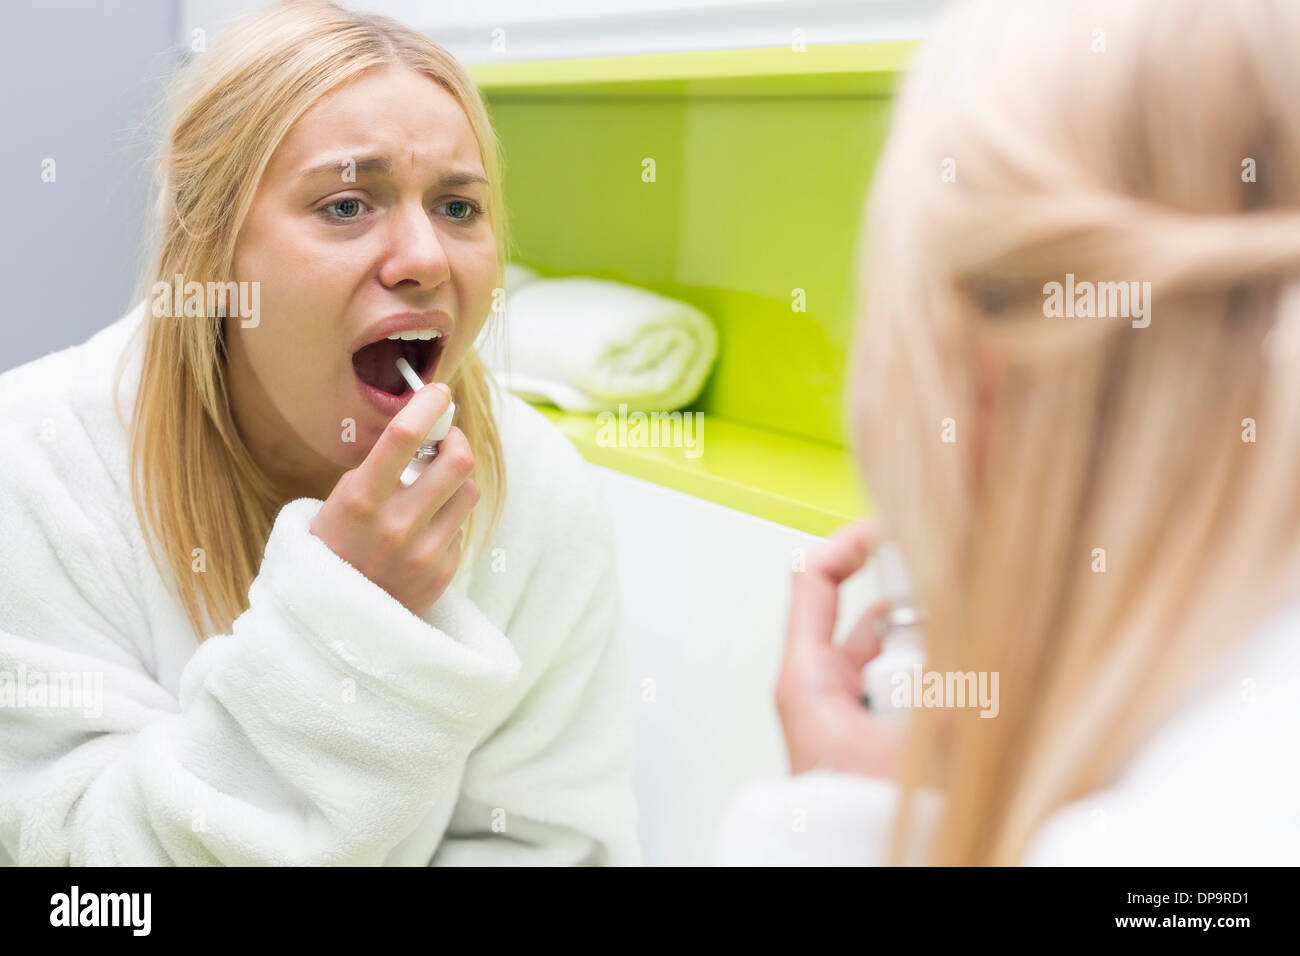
point(863, 642)
point(440, 479)
point(455, 512)
point(435, 553)
point(814, 599)
point(400, 440)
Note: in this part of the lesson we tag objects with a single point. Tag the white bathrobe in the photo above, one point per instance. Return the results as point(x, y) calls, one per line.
point(332, 726)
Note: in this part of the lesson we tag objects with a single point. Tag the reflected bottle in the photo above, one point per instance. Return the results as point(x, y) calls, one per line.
point(888, 679)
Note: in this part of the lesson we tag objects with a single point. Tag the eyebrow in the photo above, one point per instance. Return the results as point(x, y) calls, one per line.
point(382, 164)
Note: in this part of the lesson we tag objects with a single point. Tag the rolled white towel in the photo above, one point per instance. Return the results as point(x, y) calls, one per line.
point(589, 344)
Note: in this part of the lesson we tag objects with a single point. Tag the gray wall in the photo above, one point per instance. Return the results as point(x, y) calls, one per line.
point(76, 82)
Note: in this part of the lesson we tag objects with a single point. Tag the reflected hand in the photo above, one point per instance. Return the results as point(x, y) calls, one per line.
point(819, 693)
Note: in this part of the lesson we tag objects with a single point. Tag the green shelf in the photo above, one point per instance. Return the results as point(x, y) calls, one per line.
point(843, 68)
point(803, 484)
point(759, 163)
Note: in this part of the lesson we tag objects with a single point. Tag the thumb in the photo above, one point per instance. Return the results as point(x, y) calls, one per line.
point(863, 642)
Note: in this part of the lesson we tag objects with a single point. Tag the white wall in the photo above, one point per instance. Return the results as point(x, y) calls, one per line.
point(546, 29)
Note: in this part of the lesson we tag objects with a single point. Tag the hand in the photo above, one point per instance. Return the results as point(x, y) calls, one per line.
point(819, 693)
point(407, 540)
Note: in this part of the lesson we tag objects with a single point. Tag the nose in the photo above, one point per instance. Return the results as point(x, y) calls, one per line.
point(415, 253)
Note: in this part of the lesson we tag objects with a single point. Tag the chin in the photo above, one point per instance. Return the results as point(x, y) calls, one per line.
point(332, 446)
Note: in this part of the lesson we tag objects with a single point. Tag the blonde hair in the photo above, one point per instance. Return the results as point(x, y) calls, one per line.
point(1113, 141)
point(194, 482)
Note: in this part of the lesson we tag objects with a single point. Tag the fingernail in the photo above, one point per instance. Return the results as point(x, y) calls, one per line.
point(446, 390)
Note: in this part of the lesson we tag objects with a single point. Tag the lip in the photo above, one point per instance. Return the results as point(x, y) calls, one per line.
point(404, 322)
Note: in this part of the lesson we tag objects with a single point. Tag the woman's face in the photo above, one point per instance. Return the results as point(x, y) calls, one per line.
point(373, 208)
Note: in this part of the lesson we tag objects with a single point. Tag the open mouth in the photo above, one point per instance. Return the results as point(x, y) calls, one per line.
point(376, 363)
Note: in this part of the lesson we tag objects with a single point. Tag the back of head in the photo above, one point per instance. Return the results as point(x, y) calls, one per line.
point(1081, 262)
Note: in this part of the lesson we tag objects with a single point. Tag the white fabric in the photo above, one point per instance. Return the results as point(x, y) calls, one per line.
point(332, 726)
point(517, 274)
point(1218, 784)
point(588, 345)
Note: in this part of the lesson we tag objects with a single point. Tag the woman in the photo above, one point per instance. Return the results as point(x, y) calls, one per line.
point(292, 656)
point(1101, 510)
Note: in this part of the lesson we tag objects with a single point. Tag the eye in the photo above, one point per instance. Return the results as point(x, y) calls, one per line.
point(349, 209)
point(993, 298)
point(462, 210)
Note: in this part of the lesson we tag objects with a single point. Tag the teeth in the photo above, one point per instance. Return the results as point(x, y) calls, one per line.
point(415, 334)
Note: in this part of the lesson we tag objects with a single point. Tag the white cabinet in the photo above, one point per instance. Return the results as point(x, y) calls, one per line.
point(704, 596)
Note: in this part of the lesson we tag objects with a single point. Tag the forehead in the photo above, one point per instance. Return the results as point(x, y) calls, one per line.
point(394, 111)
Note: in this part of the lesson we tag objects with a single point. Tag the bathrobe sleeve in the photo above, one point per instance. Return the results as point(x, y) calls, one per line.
point(322, 729)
